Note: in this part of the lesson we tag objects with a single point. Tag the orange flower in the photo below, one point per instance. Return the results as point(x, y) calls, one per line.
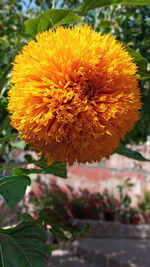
point(74, 94)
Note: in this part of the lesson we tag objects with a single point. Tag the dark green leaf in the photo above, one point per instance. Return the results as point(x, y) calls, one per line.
point(23, 246)
point(124, 151)
point(25, 217)
point(92, 4)
point(13, 188)
point(3, 77)
point(49, 20)
point(140, 61)
point(4, 124)
point(57, 168)
point(126, 201)
point(29, 158)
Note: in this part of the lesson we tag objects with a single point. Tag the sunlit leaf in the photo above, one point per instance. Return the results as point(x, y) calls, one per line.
point(49, 20)
point(31, 26)
point(140, 61)
point(92, 4)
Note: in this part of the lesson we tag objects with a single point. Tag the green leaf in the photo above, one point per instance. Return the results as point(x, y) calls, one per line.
point(127, 201)
point(49, 20)
point(4, 124)
point(92, 4)
point(31, 26)
point(3, 77)
point(59, 17)
point(25, 217)
point(8, 137)
point(124, 151)
point(23, 246)
point(57, 168)
point(140, 61)
point(44, 24)
point(29, 158)
point(13, 188)
point(104, 24)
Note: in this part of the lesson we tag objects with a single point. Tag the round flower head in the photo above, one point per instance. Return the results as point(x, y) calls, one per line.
point(74, 94)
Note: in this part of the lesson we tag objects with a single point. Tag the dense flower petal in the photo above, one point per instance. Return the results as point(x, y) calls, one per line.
point(74, 94)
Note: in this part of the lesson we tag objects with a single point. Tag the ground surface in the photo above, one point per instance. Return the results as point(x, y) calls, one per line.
point(104, 253)
point(62, 258)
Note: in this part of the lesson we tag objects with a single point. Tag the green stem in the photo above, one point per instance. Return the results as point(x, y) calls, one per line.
point(15, 165)
point(8, 137)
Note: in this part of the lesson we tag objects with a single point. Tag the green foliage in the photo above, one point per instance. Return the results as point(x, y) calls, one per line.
point(144, 203)
point(141, 63)
point(52, 210)
point(121, 205)
point(49, 20)
point(57, 168)
point(124, 151)
point(4, 124)
point(109, 202)
point(11, 30)
point(124, 198)
point(12, 188)
point(23, 245)
point(92, 4)
point(3, 77)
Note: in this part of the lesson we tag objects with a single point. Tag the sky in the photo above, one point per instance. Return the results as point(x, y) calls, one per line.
point(31, 3)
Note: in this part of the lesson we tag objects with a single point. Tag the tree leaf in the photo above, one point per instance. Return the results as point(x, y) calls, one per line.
point(92, 4)
point(59, 17)
point(124, 151)
point(140, 61)
point(57, 168)
point(13, 188)
point(44, 24)
point(3, 77)
point(23, 245)
point(31, 26)
point(49, 20)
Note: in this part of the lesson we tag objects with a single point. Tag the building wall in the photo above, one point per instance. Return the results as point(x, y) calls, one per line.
point(109, 173)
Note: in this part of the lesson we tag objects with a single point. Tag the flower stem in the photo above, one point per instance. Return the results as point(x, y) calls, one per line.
point(15, 165)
